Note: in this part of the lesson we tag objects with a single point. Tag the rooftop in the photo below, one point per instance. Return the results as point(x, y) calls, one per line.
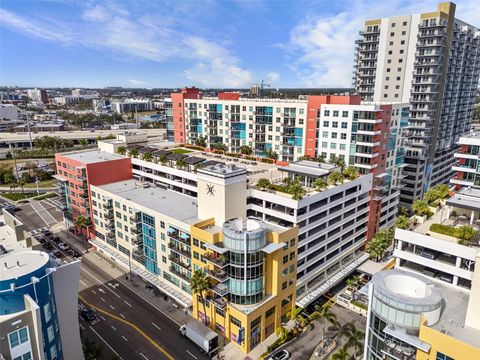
point(466, 198)
point(169, 203)
point(18, 263)
point(92, 156)
point(309, 168)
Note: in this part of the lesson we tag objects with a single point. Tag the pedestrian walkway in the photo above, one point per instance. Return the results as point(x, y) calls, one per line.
point(43, 213)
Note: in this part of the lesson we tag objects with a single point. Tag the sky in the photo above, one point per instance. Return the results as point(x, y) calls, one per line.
point(203, 43)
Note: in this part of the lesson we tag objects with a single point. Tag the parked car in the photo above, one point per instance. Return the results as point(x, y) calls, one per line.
point(87, 314)
point(47, 246)
point(57, 254)
point(281, 355)
point(63, 246)
point(46, 232)
point(41, 239)
point(55, 238)
point(73, 253)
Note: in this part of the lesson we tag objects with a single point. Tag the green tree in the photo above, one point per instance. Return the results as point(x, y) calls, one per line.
point(81, 222)
point(133, 152)
point(335, 178)
point(163, 159)
point(354, 338)
point(282, 333)
point(8, 155)
point(91, 350)
point(341, 354)
point(353, 283)
point(420, 208)
point(147, 156)
point(296, 190)
point(245, 149)
point(320, 184)
point(122, 150)
point(350, 173)
point(402, 222)
point(321, 159)
point(323, 314)
point(295, 314)
point(200, 283)
point(83, 142)
point(181, 163)
point(263, 183)
point(201, 141)
point(271, 154)
point(337, 161)
point(464, 232)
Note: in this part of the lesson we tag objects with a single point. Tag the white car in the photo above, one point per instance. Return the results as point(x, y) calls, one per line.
point(281, 355)
point(63, 246)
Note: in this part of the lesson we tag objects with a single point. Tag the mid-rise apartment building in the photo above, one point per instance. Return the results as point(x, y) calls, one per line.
point(76, 171)
point(38, 299)
point(467, 172)
point(131, 105)
point(410, 317)
point(432, 61)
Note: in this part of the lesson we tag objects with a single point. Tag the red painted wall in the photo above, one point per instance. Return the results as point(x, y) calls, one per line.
point(178, 109)
point(314, 104)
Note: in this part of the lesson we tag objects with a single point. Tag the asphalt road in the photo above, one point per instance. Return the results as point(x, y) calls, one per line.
point(129, 326)
point(38, 214)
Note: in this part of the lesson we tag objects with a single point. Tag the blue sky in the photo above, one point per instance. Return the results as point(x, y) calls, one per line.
point(211, 43)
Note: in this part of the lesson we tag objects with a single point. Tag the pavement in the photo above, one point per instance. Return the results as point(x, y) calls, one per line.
point(304, 346)
point(134, 323)
point(38, 214)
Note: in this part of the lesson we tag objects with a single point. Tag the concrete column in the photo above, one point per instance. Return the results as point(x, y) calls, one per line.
point(449, 209)
point(458, 262)
point(472, 216)
point(455, 280)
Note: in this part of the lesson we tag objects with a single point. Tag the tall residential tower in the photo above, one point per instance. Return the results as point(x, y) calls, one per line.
point(432, 61)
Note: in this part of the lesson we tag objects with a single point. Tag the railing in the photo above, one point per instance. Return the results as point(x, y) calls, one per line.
point(178, 273)
point(178, 250)
point(179, 262)
point(218, 275)
point(108, 215)
point(216, 260)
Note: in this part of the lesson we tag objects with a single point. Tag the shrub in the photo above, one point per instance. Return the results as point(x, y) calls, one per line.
point(251, 158)
point(267, 160)
point(463, 232)
point(194, 147)
point(359, 304)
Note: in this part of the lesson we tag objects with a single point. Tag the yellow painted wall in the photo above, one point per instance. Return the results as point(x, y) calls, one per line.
point(445, 344)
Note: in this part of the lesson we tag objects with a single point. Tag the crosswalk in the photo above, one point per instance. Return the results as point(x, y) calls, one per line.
point(43, 213)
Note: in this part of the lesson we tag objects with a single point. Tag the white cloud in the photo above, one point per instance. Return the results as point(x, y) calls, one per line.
point(113, 29)
point(321, 48)
point(136, 82)
point(272, 76)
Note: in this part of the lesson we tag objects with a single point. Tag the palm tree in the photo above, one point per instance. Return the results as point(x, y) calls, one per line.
point(350, 173)
point(147, 156)
point(353, 283)
point(335, 177)
point(282, 333)
point(402, 222)
point(321, 159)
point(341, 354)
point(163, 159)
point(271, 154)
point(122, 150)
point(181, 163)
point(296, 315)
point(420, 208)
point(13, 185)
point(133, 153)
point(374, 249)
point(81, 221)
point(263, 183)
point(201, 141)
point(22, 183)
point(199, 283)
point(354, 338)
point(320, 184)
point(296, 190)
point(324, 314)
point(246, 150)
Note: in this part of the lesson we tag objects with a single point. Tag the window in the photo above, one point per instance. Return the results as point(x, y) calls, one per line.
point(392, 34)
point(335, 124)
point(441, 356)
point(325, 124)
point(344, 113)
point(18, 337)
point(404, 23)
point(334, 135)
point(326, 112)
point(390, 52)
point(270, 312)
point(402, 42)
point(343, 136)
point(393, 25)
point(292, 242)
point(343, 147)
point(26, 356)
point(344, 125)
point(335, 113)
point(284, 285)
point(53, 352)
point(388, 69)
point(235, 321)
point(46, 312)
point(325, 134)
point(50, 334)
point(333, 146)
point(285, 259)
point(324, 144)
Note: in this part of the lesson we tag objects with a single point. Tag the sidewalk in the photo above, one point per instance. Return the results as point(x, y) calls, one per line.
point(168, 308)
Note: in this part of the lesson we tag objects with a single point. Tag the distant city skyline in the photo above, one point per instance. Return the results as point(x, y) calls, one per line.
point(220, 44)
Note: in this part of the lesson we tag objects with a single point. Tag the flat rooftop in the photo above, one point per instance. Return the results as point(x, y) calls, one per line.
point(15, 264)
point(466, 198)
point(312, 169)
point(93, 156)
point(169, 203)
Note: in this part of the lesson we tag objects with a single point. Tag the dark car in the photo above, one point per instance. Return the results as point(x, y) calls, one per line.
point(41, 240)
point(73, 253)
point(47, 246)
point(88, 314)
point(55, 238)
point(57, 254)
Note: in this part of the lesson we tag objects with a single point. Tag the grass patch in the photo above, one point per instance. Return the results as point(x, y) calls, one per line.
point(41, 184)
point(181, 151)
point(359, 304)
point(443, 229)
point(45, 196)
point(19, 196)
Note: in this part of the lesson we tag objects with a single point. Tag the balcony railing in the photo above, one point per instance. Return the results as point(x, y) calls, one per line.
point(108, 215)
point(174, 271)
point(177, 237)
point(220, 289)
point(219, 275)
point(173, 246)
point(216, 260)
point(177, 261)
point(108, 205)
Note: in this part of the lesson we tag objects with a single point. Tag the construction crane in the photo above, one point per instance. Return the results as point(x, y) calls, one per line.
point(263, 85)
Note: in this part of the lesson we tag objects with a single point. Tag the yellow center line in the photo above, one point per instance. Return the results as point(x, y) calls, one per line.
point(133, 326)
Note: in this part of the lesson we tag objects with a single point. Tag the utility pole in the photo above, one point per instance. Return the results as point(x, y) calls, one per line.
point(29, 132)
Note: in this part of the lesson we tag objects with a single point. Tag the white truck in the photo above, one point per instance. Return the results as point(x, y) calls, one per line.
point(205, 338)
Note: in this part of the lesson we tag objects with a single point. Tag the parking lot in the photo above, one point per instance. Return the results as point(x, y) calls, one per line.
point(38, 214)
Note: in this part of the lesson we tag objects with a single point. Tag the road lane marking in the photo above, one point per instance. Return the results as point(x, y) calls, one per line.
point(101, 338)
point(127, 303)
point(101, 283)
point(189, 353)
point(122, 316)
point(102, 299)
point(103, 318)
point(124, 338)
point(142, 356)
point(81, 326)
point(93, 291)
point(156, 326)
point(133, 326)
point(113, 327)
point(112, 307)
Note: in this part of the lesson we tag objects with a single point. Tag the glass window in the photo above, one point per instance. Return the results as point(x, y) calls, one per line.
point(325, 124)
point(46, 312)
point(344, 125)
point(50, 333)
point(326, 112)
point(335, 124)
point(344, 113)
point(441, 356)
point(333, 146)
point(325, 134)
point(335, 113)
